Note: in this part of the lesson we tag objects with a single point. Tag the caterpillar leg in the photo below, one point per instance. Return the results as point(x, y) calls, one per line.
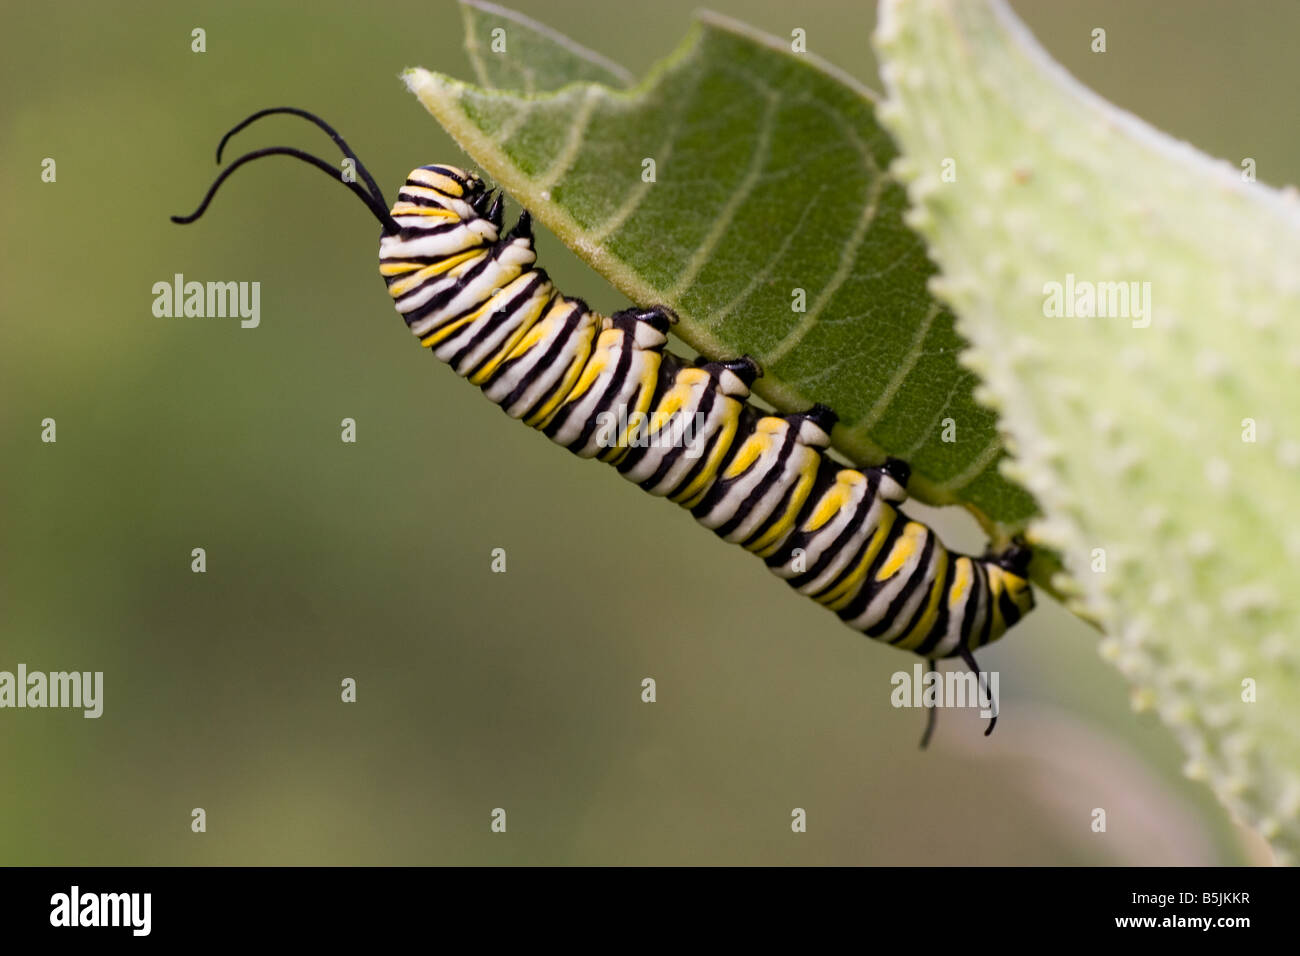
point(659, 316)
point(746, 367)
point(894, 475)
point(897, 469)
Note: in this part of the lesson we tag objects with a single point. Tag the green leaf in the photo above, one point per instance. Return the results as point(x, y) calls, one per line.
point(529, 56)
point(1135, 438)
point(768, 185)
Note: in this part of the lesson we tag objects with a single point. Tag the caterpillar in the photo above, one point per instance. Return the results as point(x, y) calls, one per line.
point(604, 387)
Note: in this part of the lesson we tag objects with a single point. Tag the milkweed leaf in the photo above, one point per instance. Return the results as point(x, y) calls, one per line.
point(1166, 441)
point(744, 185)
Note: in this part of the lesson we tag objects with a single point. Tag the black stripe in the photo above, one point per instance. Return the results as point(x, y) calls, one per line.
point(722, 488)
point(841, 542)
point(605, 402)
point(614, 453)
point(869, 585)
point(408, 233)
point(927, 585)
point(570, 328)
point(1010, 613)
point(780, 511)
point(823, 481)
point(745, 426)
point(444, 171)
point(697, 470)
point(411, 233)
point(440, 300)
point(972, 607)
point(548, 359)
point(414, 200)
point(499, 317)
point(765, 484)
point(940, 626)
point(668, 369)
point(916, 580)
point(986, 628)
point(978, 605)
point(420, 261)
point(475, 305)
point(715, 437)
point(447, 171)
point(705, 442)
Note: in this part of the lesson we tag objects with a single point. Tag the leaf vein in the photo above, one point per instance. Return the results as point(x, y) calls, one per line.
point(573, 143)
point(638, 193)
point(843, 269)
point(972, 471)
point(700, 257)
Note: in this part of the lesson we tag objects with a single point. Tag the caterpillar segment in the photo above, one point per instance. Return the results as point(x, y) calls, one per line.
point(604, 387)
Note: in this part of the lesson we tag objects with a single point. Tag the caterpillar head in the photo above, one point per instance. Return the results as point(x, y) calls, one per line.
point(430, 189)
point(448, 180)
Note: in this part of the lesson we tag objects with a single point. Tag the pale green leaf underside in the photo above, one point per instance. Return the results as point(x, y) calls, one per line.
point(769, 177)
point(1131, 438)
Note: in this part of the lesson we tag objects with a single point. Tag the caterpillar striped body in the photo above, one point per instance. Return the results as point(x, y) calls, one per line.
point(605, 387)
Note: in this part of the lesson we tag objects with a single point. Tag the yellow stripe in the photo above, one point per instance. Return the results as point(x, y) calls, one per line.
point(840, 596)
point(527, 321)
point(437, 335)
point(649, 377)
point(921, 630)
point(661, 416)
point(1020, 593)
point(755, 446)
point(424, 192)
point(904, 548)
point(398, 289)
point(996, 585)
point(960, 582)
point(580, 356)
point(442, 333)
point(694, 493)
point(438, 181)
point(836, 498)
point(767, 544)
point(674, 400)
point(403, 208)
point(397, 268)
point(608, 341)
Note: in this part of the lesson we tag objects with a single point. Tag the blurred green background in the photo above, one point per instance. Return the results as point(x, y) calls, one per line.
point(328, 560)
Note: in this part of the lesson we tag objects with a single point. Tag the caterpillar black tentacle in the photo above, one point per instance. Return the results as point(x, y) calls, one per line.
point(931, 714)
point(604, 387)
point(372, 195)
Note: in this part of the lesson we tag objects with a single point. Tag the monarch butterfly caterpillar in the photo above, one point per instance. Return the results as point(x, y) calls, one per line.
point(603, 387)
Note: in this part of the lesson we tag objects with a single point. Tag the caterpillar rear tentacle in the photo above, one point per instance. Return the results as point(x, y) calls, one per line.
point(604, 387)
